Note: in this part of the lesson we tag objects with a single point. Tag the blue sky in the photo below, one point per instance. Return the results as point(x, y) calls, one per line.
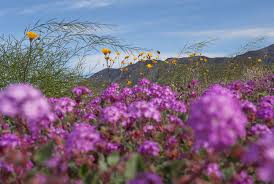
point(165, 25)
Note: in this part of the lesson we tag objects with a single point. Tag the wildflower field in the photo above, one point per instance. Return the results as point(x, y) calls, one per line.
point(184, 129)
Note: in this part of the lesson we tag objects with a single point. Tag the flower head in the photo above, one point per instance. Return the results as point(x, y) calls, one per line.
point(146, 178)
point(214, 170)
point(80, 90)
point(217, 120)
point(82, 139)
point(106, 51)
point(24, 101)
point(9, 140)
point(149, 66)
point(32, 35)
point(129, 82)
point(150, 148)
point(262, 153)
point(242, 178)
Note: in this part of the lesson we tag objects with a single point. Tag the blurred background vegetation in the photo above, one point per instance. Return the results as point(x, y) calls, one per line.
point(54, 60)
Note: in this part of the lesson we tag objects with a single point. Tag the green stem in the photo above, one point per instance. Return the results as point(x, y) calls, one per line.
point(25, 71)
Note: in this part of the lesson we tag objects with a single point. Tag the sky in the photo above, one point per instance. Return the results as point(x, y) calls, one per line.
point(165, 25)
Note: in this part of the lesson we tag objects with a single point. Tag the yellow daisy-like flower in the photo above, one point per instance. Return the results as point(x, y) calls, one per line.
point(126, 57)
point(149, 66)
point(174, 62)
point(149, 54)
point(106, 51)
point(135, 58)
point(192, 55)
point(140, 54)
point(129, 82)
point(32, 35)
point(130, 63)
point(259, 60)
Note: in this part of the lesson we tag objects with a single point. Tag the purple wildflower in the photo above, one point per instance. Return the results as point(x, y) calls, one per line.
point(146, 178)
point(81, 90)
point(214, 170)
point(217, 119)
point(266, 108)
point(9, 141)
point(262, 153)
point(242, 178)
point(24, 101)
point(143, 109)
point(82, 139)
point(259, 130)
point(150, 148)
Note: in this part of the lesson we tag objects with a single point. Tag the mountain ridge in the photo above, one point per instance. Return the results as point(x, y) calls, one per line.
point(266, 54)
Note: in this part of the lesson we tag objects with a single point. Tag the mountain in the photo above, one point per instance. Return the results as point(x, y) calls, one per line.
point(163, 72)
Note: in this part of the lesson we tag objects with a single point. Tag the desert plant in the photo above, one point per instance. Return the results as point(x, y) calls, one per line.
point(53, 58)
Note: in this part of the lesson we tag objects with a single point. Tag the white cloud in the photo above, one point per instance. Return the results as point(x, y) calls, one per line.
point(61, 5)
point(90, 3)
point(228, 33)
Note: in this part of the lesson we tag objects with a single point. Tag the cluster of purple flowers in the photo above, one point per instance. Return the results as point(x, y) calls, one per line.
point(24, 101)
point(266, 108)
point(150, 148)
point(94, 136)
point(82, 139)
point(262, 153)
point(146, 178)
point(62, 106)
point(217, 119)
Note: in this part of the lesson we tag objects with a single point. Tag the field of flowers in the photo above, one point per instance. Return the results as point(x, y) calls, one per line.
point(144, 134)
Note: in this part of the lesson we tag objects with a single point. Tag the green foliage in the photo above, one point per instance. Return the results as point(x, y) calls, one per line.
point(54, 61)
point(134, 166)
point(44, 153)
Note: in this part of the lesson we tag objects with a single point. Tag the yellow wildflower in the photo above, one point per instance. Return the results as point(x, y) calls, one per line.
point(205, 60)
point(126, 57)
point(192, 55)
point(149, 55)
point(140, 54)
point(259, 60)
point(118, 53)
point(129, 82)
point(130, 63)
point(149, 66)
point(106, 51)
point(174, 62)
point(135, 58)
point(32, 35)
